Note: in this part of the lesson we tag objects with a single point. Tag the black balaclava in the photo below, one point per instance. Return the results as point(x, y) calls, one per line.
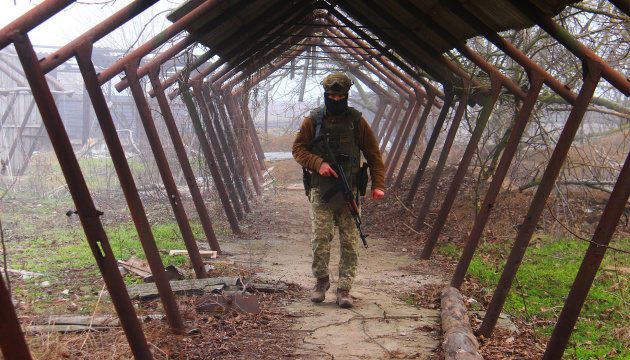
point(335, 107)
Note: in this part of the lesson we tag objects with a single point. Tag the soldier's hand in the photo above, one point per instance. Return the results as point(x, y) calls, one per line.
point(326, 170)
point(377, 194)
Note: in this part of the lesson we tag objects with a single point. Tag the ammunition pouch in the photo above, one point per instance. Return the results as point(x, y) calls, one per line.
point(306, 180)
point(362, 179)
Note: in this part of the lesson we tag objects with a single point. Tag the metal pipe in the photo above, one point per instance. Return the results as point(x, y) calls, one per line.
point(462, 168)
point(497, 180)
point(590, 265)
point(392, 124)
point(83, 57)
point(31, 19)
point(392, 110)
point(414, 140)
point(87, 212)
point(448, 102)
point(180, 150)
point(131, 70)
point(592, 77)
point(207, 152)
point(401, 138)
point(437, 172)
point(572, 44)
point(218, 152)
point(180, 25)
point(12, 342)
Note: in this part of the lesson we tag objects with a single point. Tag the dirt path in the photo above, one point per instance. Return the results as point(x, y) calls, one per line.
point(380, 325)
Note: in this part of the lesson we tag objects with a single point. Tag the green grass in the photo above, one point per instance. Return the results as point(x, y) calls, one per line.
point(543, 283)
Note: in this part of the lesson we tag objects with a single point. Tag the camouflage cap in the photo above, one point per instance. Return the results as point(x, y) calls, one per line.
point(337, 83)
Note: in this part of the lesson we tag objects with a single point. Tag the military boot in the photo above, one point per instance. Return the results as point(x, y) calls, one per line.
point(344, 300)
point(319, 294)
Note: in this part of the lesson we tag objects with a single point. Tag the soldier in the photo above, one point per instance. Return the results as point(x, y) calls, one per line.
point(348, 135)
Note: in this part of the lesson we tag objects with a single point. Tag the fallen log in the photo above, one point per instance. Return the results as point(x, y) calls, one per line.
point(459, 342)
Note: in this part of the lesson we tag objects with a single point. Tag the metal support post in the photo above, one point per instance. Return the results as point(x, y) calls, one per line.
point(12, 342)
point(448, 102)
point(401, 137)
point(593, 73)
point(437, 172)
point(218, 152)
point(414, 140)
point(87, 212)
point(180, 150)
point(458, 178)
point(211, 164)
point(387, 132)
point(497, 180)
point(136, 209)
point(131, 70)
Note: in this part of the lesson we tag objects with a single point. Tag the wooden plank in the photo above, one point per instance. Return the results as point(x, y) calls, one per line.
point(203, 253)
point(184, 287)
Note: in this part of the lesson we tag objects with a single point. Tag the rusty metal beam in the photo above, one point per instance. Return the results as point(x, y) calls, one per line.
point(448, 102)
point(462, 168)
point(414, 140)
point(497, 180)
point(565, 38)
point(180, 150)
point(437, 172)
point(379, 114)
point(83, 55)
point(180, 25)
point(593, 73)
point(31, 19)
point(401, 136)
point(87, 212)
point(207, 152)
point(131, 70)
point(12, 342)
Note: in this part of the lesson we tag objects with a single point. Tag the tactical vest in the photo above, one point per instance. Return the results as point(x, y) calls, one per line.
point(343, 140)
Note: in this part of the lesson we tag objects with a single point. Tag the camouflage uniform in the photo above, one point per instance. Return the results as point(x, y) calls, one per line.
point(326, 215)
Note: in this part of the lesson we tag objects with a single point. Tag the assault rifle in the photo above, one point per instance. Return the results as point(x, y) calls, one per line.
point(341, 185)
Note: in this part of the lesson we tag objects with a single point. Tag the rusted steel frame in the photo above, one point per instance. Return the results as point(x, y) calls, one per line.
point(375, 55)
point(376, 69)
point(572, 44)
point(17, 80)
point(590, 265)
point(414, 140)
point(222, 149)
point(593, 73)
point(437, 29)
point(31, 150)
point(448, 103)
point(96, 33)
point(439, 167)
point(12, 342)
point(379, 114)
point(462, 168)
point(287, 15)
point(83, 55)
point(509, 49)
point(218, 152)
point(87, 212)
point(249, 153)
point(394, 123)
point(180, 150)
point(392, 110)
point(31, 19)
point(438, 66)
point(211, 164)
point(228, 123)
point(181, 45)
point(20, 130)
point(401, 137)
point(180, 25)
point(131, 70)
point(497, 180)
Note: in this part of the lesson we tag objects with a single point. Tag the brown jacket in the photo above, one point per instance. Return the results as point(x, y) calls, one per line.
point(367, 144)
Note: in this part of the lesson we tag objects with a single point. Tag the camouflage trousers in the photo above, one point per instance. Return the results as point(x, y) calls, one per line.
point(324, 218)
